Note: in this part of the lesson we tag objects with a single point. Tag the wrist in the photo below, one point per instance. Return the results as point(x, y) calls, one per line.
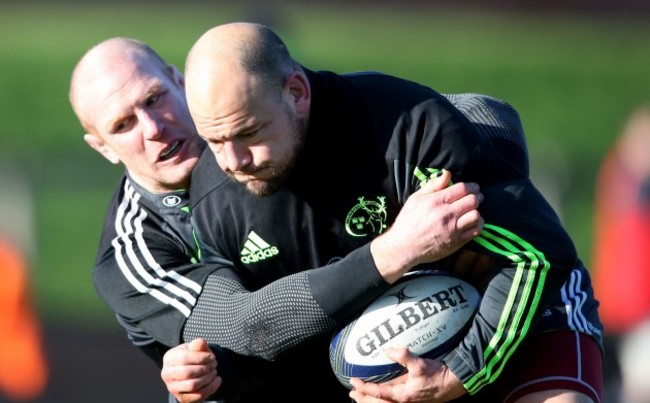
point(391, 259)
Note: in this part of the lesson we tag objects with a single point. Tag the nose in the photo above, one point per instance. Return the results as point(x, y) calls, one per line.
point(236, 156)
point(152, 125)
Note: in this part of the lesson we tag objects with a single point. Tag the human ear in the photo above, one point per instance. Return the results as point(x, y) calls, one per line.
point(97, 144)
point(299, 88)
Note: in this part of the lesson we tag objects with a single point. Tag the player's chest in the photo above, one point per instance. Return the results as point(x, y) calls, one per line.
point(295, 231)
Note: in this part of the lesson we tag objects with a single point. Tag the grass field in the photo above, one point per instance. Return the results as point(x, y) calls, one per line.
point(573, 81)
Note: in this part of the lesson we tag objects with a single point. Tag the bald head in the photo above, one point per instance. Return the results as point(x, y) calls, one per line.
point(253, 48)
point(133, 106)
point(243, 55)
point(250, 101)
point(100, 62)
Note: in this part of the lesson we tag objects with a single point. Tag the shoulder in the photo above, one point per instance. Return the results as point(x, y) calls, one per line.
point(206, 177)
point(375, 86)
point(479, 108)
point(133, 211)
point(496, 120)
point(121, 194)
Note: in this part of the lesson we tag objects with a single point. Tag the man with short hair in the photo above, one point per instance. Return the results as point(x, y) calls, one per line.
point(132, 105)
point(317, 169)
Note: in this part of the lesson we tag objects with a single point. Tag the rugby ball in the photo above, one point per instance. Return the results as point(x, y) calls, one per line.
point(428, 312)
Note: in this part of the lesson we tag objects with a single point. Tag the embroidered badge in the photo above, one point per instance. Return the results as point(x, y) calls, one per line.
point(367, 217)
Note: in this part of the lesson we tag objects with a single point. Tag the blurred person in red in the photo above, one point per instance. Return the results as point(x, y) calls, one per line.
point(23, 366)
point(621, 259)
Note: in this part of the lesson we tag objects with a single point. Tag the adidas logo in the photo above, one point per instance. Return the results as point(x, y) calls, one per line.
point(257, 249)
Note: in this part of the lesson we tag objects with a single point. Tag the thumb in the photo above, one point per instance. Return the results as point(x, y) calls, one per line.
point(401, 355)
point(198, 345)
point(438, 181)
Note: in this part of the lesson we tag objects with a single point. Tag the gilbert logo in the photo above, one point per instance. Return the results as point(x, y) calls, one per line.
point(257, 249)
point(366, 217)
point(452, 298)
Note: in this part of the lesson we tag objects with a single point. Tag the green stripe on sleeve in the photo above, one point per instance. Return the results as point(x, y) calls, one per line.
point(515, 320)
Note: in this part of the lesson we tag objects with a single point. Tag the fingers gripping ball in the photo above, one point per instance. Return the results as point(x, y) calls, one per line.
point(428, 312)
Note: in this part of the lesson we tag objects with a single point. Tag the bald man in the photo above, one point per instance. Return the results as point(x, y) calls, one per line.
point(132, 105)
point(299, 161)
point(133, 108)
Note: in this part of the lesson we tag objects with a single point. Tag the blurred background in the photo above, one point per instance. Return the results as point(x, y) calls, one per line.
point(574, 72)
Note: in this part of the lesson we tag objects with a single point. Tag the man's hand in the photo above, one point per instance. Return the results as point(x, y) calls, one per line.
point(190, 371)
point(427, 381)
point(434, 222)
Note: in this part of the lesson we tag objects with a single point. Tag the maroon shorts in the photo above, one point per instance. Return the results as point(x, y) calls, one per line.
point(556, 360)
point(553, 360)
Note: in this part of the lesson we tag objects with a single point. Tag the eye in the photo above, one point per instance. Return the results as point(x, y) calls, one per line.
point(153, 99)
point(249, 137)
point(215, 146)
point(122, 125)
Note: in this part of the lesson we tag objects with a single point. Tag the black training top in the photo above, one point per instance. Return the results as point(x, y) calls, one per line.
point(372, 141)
point(146, 267)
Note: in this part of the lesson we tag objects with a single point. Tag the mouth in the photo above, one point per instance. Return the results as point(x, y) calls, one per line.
point(170, 151)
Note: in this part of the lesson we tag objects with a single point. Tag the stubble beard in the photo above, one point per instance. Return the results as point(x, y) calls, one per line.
point(280, 171)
